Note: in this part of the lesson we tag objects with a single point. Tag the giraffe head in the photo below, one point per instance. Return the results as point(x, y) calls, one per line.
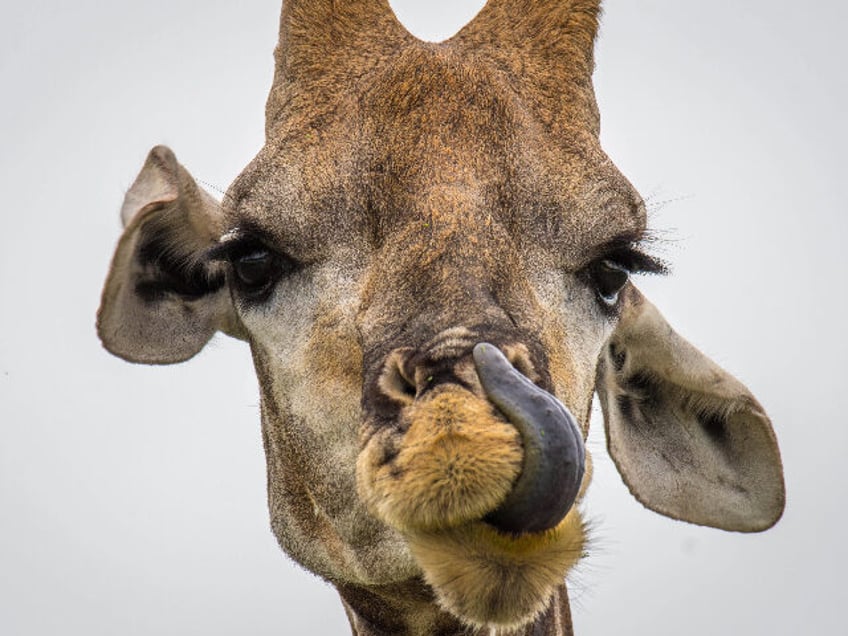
point(430, 259)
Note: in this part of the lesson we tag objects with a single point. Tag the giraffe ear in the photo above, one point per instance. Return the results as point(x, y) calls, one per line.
point(689, 440)
point(163, 300)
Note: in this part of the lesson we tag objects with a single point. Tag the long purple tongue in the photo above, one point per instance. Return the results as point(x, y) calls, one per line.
point(554, 456)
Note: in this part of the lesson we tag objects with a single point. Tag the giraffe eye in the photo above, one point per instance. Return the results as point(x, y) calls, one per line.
point(256, 268)
point(608, 274)
point(608, 278)
point(256, 271)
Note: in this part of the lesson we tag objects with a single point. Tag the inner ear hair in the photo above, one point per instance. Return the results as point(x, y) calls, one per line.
point(165, 268)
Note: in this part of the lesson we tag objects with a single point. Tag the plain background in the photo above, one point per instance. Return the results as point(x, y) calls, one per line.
point(132, 498)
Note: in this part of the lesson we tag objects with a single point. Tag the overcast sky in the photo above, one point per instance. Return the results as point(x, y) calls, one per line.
point(132, 498)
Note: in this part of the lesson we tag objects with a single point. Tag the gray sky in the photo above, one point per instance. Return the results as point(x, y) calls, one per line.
point(133, 497)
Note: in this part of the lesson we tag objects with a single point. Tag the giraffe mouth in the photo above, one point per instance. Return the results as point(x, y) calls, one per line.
point(479, 473)
point(554, 454)
point(480, 443)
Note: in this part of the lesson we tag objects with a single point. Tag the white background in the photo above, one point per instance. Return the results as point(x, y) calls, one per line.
point(132, 498)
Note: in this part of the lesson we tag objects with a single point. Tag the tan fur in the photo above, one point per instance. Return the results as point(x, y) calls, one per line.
point(457, 461)
point(434, 196)
point(491, 579)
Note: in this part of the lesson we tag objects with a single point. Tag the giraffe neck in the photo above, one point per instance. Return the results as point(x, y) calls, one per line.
point(409, 609)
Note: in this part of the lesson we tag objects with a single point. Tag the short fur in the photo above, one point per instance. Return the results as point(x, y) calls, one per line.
point(493, 580)
point(434, 196)
point(456, 461)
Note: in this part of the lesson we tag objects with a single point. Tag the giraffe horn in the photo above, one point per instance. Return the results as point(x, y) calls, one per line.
point(322, 45)
point(554, 456)
point(547, 48)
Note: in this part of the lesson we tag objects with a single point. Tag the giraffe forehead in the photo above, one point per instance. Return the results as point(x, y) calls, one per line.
point(430, 141)
point(563, 203)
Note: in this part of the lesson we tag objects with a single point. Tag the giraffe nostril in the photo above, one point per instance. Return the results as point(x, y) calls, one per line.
point(519, 357)
point(394, 382)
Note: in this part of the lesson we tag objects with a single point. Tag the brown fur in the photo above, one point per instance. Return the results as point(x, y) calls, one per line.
point(433, 196)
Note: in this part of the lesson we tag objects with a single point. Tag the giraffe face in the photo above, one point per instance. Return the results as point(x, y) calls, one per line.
point(430, 259)
point(366, 263)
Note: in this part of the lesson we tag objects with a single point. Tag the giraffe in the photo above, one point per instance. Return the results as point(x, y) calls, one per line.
point(430, 259)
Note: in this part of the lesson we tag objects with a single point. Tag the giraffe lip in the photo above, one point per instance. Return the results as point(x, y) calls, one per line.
point(554, 455)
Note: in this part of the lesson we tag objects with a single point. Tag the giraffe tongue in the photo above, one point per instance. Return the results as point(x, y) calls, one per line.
point(554, 457)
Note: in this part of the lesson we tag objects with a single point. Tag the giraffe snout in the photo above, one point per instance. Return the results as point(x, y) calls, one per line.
point(465, 435)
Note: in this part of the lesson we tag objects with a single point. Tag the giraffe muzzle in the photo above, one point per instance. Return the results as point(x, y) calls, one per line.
point(554, 455)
